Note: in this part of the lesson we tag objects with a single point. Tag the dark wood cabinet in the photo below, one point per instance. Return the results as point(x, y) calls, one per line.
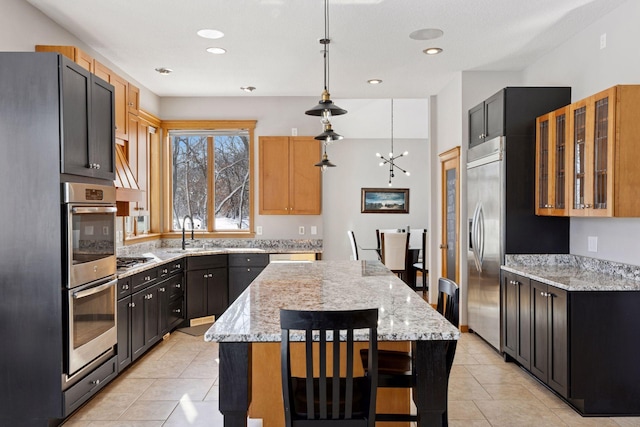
point(207, 288)
point(516, 324)
point(171, 300)
point(243, 268)
point(88, 135)
point(549, 336)
point(486, 120)
point(145, 321)
point(124, 332)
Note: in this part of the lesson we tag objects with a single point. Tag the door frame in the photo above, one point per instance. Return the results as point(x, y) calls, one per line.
point(449, 160)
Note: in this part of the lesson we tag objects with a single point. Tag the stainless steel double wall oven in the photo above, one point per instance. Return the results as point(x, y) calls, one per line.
point(89, 267)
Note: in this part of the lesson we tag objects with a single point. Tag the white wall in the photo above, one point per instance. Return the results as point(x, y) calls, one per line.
point(581, 64)
point(366, 128)
point(22, 27)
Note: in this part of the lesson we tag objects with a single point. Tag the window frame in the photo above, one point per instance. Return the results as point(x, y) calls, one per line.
point(205, 125)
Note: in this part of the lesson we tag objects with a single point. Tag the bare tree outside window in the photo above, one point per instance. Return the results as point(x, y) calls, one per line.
point(192, 154)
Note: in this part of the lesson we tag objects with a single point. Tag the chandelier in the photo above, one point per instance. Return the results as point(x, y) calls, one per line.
point(391, 161)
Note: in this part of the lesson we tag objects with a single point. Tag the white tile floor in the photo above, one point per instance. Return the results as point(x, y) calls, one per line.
point(176, 385)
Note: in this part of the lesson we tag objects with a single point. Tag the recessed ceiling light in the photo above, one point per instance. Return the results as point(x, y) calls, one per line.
point(426, 34)
point(432, 50)
point(210, 34)
point(248, 88)
point(374, 81)
point(164, 71)
point(216, 50)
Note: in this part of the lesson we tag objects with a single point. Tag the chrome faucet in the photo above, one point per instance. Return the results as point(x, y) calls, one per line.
point(183, 227)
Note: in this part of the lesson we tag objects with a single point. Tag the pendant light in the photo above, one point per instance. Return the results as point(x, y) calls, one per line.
point(325, 162)
point(326, 108)
point(392, 159)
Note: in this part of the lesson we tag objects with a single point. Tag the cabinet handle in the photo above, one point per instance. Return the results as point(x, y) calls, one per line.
point(178, 285)
point(132, 304)
point(210, 274)
point(94, 382)
point(177, 310)
point(125, 287)
point(248, 269)
point(176, 266)
point(248, 259)
point(161, 290)
point(587, 206)
point(165, 271)
point(205, 275)
point(97, 165)
point(147, 278)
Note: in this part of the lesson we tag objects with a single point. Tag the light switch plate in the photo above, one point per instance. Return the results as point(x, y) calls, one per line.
point(592, 243)
point(301, 229)
point(314, 229)
point(259, 230)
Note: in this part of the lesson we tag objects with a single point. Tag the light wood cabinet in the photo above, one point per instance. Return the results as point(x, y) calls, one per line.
point(552, 185)
point(603, 152)
point(138, 160)
point(290, 184)
point(121, 93)
point(133, 97)
point(75, 54)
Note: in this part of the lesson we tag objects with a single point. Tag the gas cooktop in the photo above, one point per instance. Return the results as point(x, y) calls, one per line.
point(130, 261)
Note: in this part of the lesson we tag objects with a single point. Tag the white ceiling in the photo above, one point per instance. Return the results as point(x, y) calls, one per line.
point(273, 44)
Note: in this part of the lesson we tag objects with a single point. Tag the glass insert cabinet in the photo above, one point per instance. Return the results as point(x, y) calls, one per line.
point(586, 156)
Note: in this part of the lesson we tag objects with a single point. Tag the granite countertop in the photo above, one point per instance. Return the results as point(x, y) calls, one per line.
point(330, 285)
point(163, 255)
point(575, 273)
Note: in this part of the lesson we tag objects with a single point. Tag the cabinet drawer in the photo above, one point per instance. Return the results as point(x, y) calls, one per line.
point(206, 261)
point(248, 260)
point(124, 287)
point(174, 286)
point(170, 268)
point(79, 393)
point(142, 280)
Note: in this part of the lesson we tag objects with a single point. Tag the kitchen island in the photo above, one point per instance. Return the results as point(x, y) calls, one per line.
point(253, 320)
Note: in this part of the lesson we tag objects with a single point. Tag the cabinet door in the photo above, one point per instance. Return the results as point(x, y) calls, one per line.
point(305, 193)
point(151, 316)
point(102, 149)
point(543, 164)
point(163, 306)
point(558, 340)
point(559, 188)
point(523, 347)
point(274, 175)
point(539, 327)
point(121, 88)
point(133, 99)
point(509, 314)
point(196, 293)
point(601, 162)
point(75, 92)
point(494, 116)
point(217, 293)
point(476, 125)
point(138, 341)
point(124, 333)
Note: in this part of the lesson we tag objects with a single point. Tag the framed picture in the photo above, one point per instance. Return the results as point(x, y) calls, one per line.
point(385, 200)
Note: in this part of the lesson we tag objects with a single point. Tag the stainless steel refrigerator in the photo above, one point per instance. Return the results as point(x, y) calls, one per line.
point(501, 205)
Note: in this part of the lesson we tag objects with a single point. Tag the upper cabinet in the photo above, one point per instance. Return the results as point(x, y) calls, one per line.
point(87, 146)
point(486, 120)
point(552, 185)
point(290, 184)
point(75, 54)
point(121, 91)
point(603, 152)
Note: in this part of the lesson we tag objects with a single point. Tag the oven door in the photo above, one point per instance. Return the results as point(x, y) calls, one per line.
point(91, 324)
point(91, 243)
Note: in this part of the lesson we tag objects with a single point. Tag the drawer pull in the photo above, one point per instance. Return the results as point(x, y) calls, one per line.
point(161, 290)
point(95, 382)
point(178, 285)
point(132, 304)
point(177, 310)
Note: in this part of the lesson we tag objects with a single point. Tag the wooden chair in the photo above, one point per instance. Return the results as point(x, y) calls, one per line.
point(395, 367)
point(354, 246)
point(421, 265)
point(394, 249)
point(329, 399)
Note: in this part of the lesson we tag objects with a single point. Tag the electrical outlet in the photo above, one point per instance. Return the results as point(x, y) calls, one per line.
point(314, 229)
point(592, 243)
point(259, 230)
point(603, 40)
point(294, 131)
point(301, 229)
point(105, 230)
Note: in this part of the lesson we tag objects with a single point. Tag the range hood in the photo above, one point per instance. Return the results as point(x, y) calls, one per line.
point(127, 189)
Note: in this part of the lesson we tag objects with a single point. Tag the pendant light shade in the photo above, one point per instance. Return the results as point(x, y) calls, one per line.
point(328, 135)
point(325, 162)
point(326, 108)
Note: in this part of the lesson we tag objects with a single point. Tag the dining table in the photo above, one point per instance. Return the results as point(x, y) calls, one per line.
point(252, 322)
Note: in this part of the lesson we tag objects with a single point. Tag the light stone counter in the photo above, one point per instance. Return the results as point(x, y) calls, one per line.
point(575, 273)
point(330, 285)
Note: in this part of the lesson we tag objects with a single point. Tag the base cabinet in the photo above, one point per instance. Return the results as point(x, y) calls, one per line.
point(207, 290)
point(516, 325)
point(150, 304)
point(243, 268)
point(549, 336)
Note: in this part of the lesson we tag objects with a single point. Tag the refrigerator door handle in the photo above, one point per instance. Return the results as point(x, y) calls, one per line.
point(480, 239)
point(474, 238)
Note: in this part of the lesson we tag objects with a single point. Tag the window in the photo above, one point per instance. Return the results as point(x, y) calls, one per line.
point(211, 176)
